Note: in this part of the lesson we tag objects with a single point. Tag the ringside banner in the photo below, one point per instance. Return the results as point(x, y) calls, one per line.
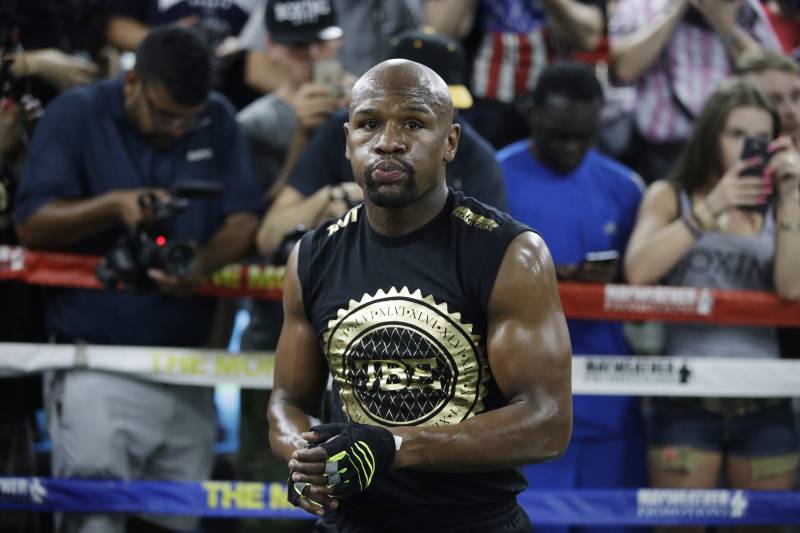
point(603, 375)
point(268, 500)
point(593, 301)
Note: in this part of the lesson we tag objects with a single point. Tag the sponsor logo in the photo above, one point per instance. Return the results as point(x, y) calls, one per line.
point(247, 496)
point(685, 300)
point(401, 358)
point(676, 504)
point(662, 370)
point(23, 488)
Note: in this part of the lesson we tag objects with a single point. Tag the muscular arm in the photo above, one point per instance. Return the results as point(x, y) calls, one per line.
point(659, 240)
point(633, 54)
point(530, 358)
point(300, 372)
point(575, 23)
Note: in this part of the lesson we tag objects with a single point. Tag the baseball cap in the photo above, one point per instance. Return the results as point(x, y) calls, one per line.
point(440, 53)
point(301, 21)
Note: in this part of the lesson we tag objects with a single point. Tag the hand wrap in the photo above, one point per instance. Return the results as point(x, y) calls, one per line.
point(356, 454)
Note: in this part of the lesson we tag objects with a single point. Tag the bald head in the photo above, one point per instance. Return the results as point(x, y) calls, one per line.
point(401, 134)
point(401, 76)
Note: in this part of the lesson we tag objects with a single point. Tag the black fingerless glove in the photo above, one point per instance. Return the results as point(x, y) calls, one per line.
point(294, 490)
point(357, 453)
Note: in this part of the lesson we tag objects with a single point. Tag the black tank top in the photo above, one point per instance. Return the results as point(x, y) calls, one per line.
point(402, 323)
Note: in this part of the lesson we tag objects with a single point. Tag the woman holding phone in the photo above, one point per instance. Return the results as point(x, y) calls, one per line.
point(716, 223)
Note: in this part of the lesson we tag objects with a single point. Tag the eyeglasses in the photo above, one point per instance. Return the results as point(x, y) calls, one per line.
point(164, 120)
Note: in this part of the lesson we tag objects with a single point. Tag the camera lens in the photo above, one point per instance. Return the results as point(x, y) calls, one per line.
point(179, 259)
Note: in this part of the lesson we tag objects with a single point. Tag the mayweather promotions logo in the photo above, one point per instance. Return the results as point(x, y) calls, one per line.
point(402, 359)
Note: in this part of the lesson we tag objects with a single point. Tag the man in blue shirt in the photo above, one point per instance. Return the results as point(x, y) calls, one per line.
point(581, 202)
point(97, 150)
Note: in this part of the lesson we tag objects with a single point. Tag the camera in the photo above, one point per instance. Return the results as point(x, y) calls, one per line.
point(150, 245)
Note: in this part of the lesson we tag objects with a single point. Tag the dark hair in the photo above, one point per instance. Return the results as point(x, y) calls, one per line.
point(566, 78)
point(701, 157)
point(178, 58)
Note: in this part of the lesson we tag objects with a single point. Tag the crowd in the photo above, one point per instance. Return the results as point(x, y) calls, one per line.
point(110, 108)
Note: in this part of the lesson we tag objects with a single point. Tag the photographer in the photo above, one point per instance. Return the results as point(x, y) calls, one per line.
point(96, 151)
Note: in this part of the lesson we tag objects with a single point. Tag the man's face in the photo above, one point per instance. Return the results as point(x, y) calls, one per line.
point(563, 131)
point(298, 60)
point(398, 141)
point(783, 88)
point(159, 118)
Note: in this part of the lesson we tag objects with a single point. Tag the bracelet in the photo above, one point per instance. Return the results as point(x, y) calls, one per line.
point(713, 214)
point(701, 207)
point(785, 226)
point(691, 224)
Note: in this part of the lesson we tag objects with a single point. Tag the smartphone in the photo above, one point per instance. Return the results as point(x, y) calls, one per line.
point(328, 72)
point(757, 147)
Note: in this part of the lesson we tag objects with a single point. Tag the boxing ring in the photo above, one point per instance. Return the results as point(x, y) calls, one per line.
point(603, 375)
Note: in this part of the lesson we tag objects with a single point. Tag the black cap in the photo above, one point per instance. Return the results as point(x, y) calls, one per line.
point(441, 54)
point(301, 21)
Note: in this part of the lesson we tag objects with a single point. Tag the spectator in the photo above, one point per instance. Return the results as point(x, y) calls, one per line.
point(368, 27)
point(321, 185)
point(280, 123)
point(677, 52)
point(516, 40)
point(96, 151)
point(709, 226)
point(277, 127)
point(218, 23)
point(581, 202)
point(21, 320)
point(778, 77)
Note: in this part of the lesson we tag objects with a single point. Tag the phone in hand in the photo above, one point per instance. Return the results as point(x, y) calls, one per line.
point(328, 72)
point(757, 147)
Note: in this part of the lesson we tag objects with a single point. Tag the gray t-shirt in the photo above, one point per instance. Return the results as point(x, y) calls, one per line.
point(268, 125)
point(721, 261)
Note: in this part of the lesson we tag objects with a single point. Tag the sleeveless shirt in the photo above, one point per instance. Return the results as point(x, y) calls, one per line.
point(402, 323)
point(722, 261)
